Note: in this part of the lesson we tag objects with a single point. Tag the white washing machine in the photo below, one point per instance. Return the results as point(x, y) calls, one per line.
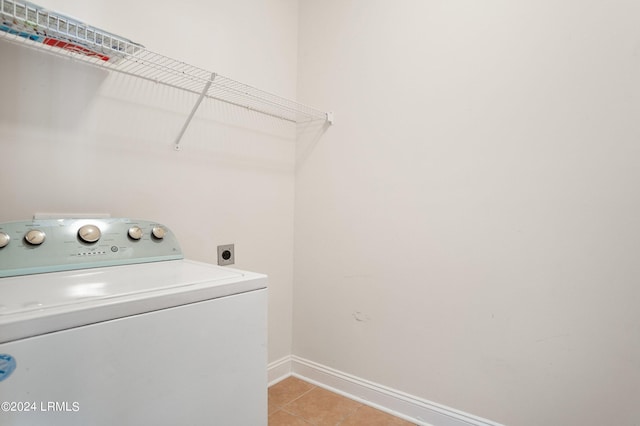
point(102, 322)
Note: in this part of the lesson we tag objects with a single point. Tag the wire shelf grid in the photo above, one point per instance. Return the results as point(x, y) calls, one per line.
point(27, 23)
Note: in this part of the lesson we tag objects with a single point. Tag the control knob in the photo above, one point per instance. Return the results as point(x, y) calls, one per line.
point(135, 232)
point(158, 232)
point(4, 239)
point(89, 233)
point(35, 237)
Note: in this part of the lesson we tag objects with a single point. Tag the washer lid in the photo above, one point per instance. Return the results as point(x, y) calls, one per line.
point(35, 304)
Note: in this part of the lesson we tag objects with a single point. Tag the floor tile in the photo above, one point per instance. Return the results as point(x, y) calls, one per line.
point(294, 402)
point(287, 390)
point(272, 407)
point(322, 408)
point(371, 417)
point(282, 418)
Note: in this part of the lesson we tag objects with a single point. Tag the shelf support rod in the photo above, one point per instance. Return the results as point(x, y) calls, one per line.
point(193, 111)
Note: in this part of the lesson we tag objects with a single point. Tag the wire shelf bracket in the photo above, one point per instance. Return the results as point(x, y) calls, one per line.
point(193, 111)
point(29, 24)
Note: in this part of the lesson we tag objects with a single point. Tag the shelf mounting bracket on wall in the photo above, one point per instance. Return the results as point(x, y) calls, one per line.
point(193, 111)
point(330, 117)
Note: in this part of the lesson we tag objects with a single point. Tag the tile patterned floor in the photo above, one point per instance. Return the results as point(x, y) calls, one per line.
point(294, 402)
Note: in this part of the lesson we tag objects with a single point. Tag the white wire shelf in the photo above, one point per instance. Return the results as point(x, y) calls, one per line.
point(28, 24)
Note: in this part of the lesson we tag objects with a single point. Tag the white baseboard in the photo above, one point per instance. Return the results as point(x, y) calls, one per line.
point(399, 404)
point(279, 370)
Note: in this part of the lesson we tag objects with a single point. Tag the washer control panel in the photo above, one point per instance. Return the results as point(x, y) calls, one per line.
point(51, 245)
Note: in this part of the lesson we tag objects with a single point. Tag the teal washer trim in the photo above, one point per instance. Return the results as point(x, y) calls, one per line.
point(71, 267)
point(61, 247)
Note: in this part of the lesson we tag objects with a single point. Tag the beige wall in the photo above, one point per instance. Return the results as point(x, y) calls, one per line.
point(77, 139)
point(467, 232)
